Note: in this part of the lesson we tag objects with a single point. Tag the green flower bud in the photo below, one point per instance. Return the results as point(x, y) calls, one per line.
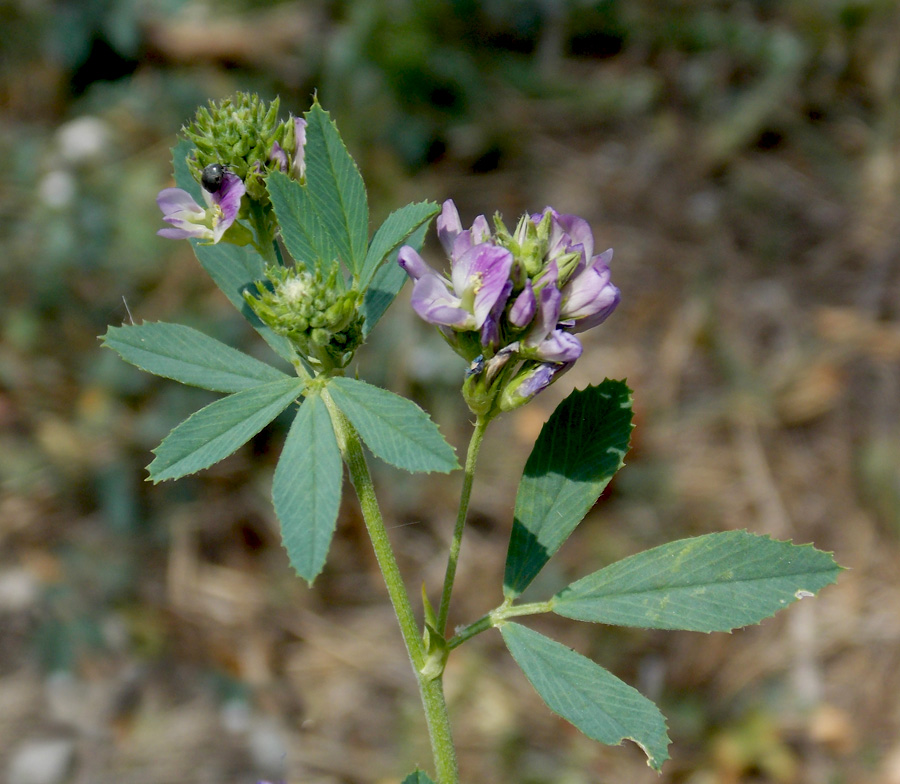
point(316, 314)
point(244, 135)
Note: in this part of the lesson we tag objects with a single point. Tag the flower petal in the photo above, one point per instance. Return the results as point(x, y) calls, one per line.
point(434, 303)
point(481, 230)
point(523, 309)
point(415, 266)
point(298, 165)
point(201, 232)
point(449, 226)
point(483, 271)
point(228, 197)
point(172, 200)
point(579, 233)
point(547, 315)
point(186, 216)
point(279, 157)
point(490, 330)
point(226, 204)
point(611, 297)
point(559, 346)
point(590, 297)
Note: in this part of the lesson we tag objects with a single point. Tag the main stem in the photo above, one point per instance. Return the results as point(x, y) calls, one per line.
point(453, 558)
point(431, 690)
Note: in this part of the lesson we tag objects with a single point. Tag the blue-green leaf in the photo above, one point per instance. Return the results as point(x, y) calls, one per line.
point(214, 432)
point(302, 228)
point(307, 488)
point(183, 178)
point(715, 582)
point(387, 283)
point(590, 697)
point(417, 777)
point(335, 186)
point(394, 232)
point(579, 450)
point(394, 428)
point(234, 270)
point(186, 355)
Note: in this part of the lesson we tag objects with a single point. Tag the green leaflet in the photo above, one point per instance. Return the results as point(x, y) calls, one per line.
point(386, 283)
point(336, 189)
point(183, 178)
point(394, 232)
point(583, 693)
point(214, 432)
point(306, 488)
point(715, 582)
point(302, 229)
point(187, 355)
point(579, 450)
point(394, 428)
point(417, 777)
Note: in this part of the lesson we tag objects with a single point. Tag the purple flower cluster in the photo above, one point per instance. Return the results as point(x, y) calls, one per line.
point(513, 301)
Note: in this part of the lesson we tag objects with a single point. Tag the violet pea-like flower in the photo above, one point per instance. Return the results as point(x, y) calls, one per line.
point(478, 280)
point(298, 164)
point(589, 296)
point(189, 219)
point(279, 157)
point(545, 340)
point(531, 380)
point(568, 234)
point(454, 239)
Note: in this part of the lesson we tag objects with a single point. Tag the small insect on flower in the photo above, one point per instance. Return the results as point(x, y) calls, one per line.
point(212, 177)
point(476, 368)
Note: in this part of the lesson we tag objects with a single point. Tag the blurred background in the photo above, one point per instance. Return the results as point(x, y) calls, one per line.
point(743, 159)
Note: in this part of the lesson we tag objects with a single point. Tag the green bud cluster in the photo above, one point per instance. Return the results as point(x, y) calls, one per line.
point(239, 133)
point(317, 314)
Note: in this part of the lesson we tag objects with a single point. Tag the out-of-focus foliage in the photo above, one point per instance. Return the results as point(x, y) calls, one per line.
point(743, 159)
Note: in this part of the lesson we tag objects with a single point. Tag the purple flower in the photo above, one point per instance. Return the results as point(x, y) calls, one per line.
point(568, 234)
point(450, 231)
point(279, 157)
point(478, 280)
point(513, 302)
point(189, 219)
point(524, 307)
point(490, 330)
point(589, 297)
point(530, 380)
point(298, 165)
point(545, 340)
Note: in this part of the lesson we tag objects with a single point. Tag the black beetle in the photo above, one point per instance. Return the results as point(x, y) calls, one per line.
point(212, 177)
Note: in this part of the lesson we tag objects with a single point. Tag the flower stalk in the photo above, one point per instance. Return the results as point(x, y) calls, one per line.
point(465, 495)
point(430, 689)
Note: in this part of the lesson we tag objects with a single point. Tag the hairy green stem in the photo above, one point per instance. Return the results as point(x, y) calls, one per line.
point(431, 690)
point(453, 558)
point(496, 617)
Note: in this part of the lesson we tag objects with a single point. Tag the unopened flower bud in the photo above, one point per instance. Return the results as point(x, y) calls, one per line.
point(532, 379)
point(243, 134)
point(316, 314)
